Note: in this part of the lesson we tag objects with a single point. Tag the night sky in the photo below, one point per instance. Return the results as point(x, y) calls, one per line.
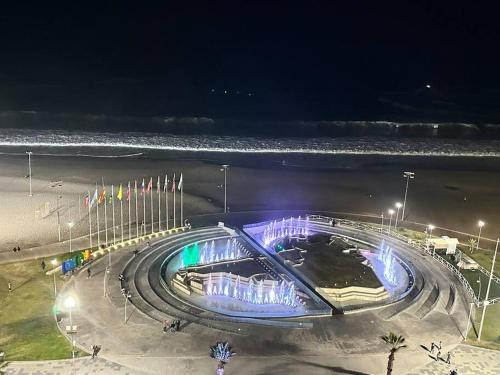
point(310, 60)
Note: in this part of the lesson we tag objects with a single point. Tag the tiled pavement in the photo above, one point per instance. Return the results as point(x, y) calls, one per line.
point(467, 360)
point(82, 366)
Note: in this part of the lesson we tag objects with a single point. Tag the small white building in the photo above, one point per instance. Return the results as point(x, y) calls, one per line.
point(444, 242)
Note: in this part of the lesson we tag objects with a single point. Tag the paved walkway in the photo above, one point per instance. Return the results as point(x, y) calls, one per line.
point(468, 360)
point(82, 366)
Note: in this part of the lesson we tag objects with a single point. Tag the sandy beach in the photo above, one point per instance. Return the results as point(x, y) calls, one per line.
point(447, 192)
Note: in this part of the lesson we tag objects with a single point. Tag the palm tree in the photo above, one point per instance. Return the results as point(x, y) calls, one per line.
point(396, 342)
point(222, 352)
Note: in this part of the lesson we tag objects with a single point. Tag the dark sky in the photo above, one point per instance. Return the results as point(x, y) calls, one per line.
point(297, 60)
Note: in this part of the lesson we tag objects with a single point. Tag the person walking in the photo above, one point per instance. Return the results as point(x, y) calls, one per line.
point(438, 355)
point(18, 249)
point(448, 358)
point(43, 265)
point(433, 345)
point(89, 273)
point(9, 285)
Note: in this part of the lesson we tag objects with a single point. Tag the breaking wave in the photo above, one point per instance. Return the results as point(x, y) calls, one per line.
point(235, 144)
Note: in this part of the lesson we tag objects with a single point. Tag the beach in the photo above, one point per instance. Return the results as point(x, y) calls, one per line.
point(449, 192)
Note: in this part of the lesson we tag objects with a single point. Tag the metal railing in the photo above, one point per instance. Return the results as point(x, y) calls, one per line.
point(416, 244)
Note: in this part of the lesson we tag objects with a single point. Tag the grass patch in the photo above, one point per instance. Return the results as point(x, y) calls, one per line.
point(490, 337)
point(28, 330)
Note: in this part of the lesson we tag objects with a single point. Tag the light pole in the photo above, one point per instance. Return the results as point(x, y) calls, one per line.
point(480, 224)
point(29, 170)
point(54, 263)
point(382, 226)
point(224, 169)
point(486, 301)
point(391, 212)
point(408, 176)
point(70, 225)
point(127, 295)
point(106, 272)
point(70, 303)
point(479, 293)
point(430, 227)
point(398, 206)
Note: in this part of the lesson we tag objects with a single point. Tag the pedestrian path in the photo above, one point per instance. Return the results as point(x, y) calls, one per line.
point(467, 360)
point(82, 366)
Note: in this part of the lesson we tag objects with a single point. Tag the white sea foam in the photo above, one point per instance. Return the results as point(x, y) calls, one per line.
point(232, 144)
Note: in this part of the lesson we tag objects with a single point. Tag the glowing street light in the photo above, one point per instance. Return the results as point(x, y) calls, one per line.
point(408, 176)
point(382, 226)
point(398, 206)
point(224, 169)
point(430, 227)
point(480, 224)
point(391, 212)
point(29, 170)
point(54, 264)
point(70, 303)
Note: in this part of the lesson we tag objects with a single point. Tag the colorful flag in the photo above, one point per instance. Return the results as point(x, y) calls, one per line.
point(158, 189)
point(111, 197)
point(120, 193)
point(143, 189)
point(86, 200)
point(128, 192)
point(180, 183)
point(150, 185)
point(135, 188)
point(102, 196)
point(173, 184)
point(165, 184)
point(94, 199)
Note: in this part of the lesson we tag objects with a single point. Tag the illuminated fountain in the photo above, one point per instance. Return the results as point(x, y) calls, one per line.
point(211, 252)
point(261, 292)
point(292, 227)
point(386, 257)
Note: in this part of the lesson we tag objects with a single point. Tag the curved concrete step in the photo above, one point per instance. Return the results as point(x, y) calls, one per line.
point(429, 304)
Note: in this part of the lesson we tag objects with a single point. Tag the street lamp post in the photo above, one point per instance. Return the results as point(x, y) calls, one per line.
point(29, 170)
point(479, 293)
point(408, 176)
point(486, 301)
point(391, 212)
point(430, 227)
point(70, 225)
point(54, 263)
point(398, 206)
point(70, 303)
point(480, 224)
point(106, 272)
point(224, 169)
point(382, 226)
point(127, 295)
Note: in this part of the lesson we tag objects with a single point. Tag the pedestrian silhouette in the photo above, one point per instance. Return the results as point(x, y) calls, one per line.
point(89, 272)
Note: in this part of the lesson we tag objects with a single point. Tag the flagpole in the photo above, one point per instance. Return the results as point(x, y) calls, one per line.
point(151, 205)
point(113, 207)
point(90, 223)
point(136, 213)
point(79, 207)
point(158, 189)
point(105, 213)
point(143, 208)
point(97, 214)
point(121, 217)
point(182, 205)
point(174, 201)
point(165, 188)
point(129, 222)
